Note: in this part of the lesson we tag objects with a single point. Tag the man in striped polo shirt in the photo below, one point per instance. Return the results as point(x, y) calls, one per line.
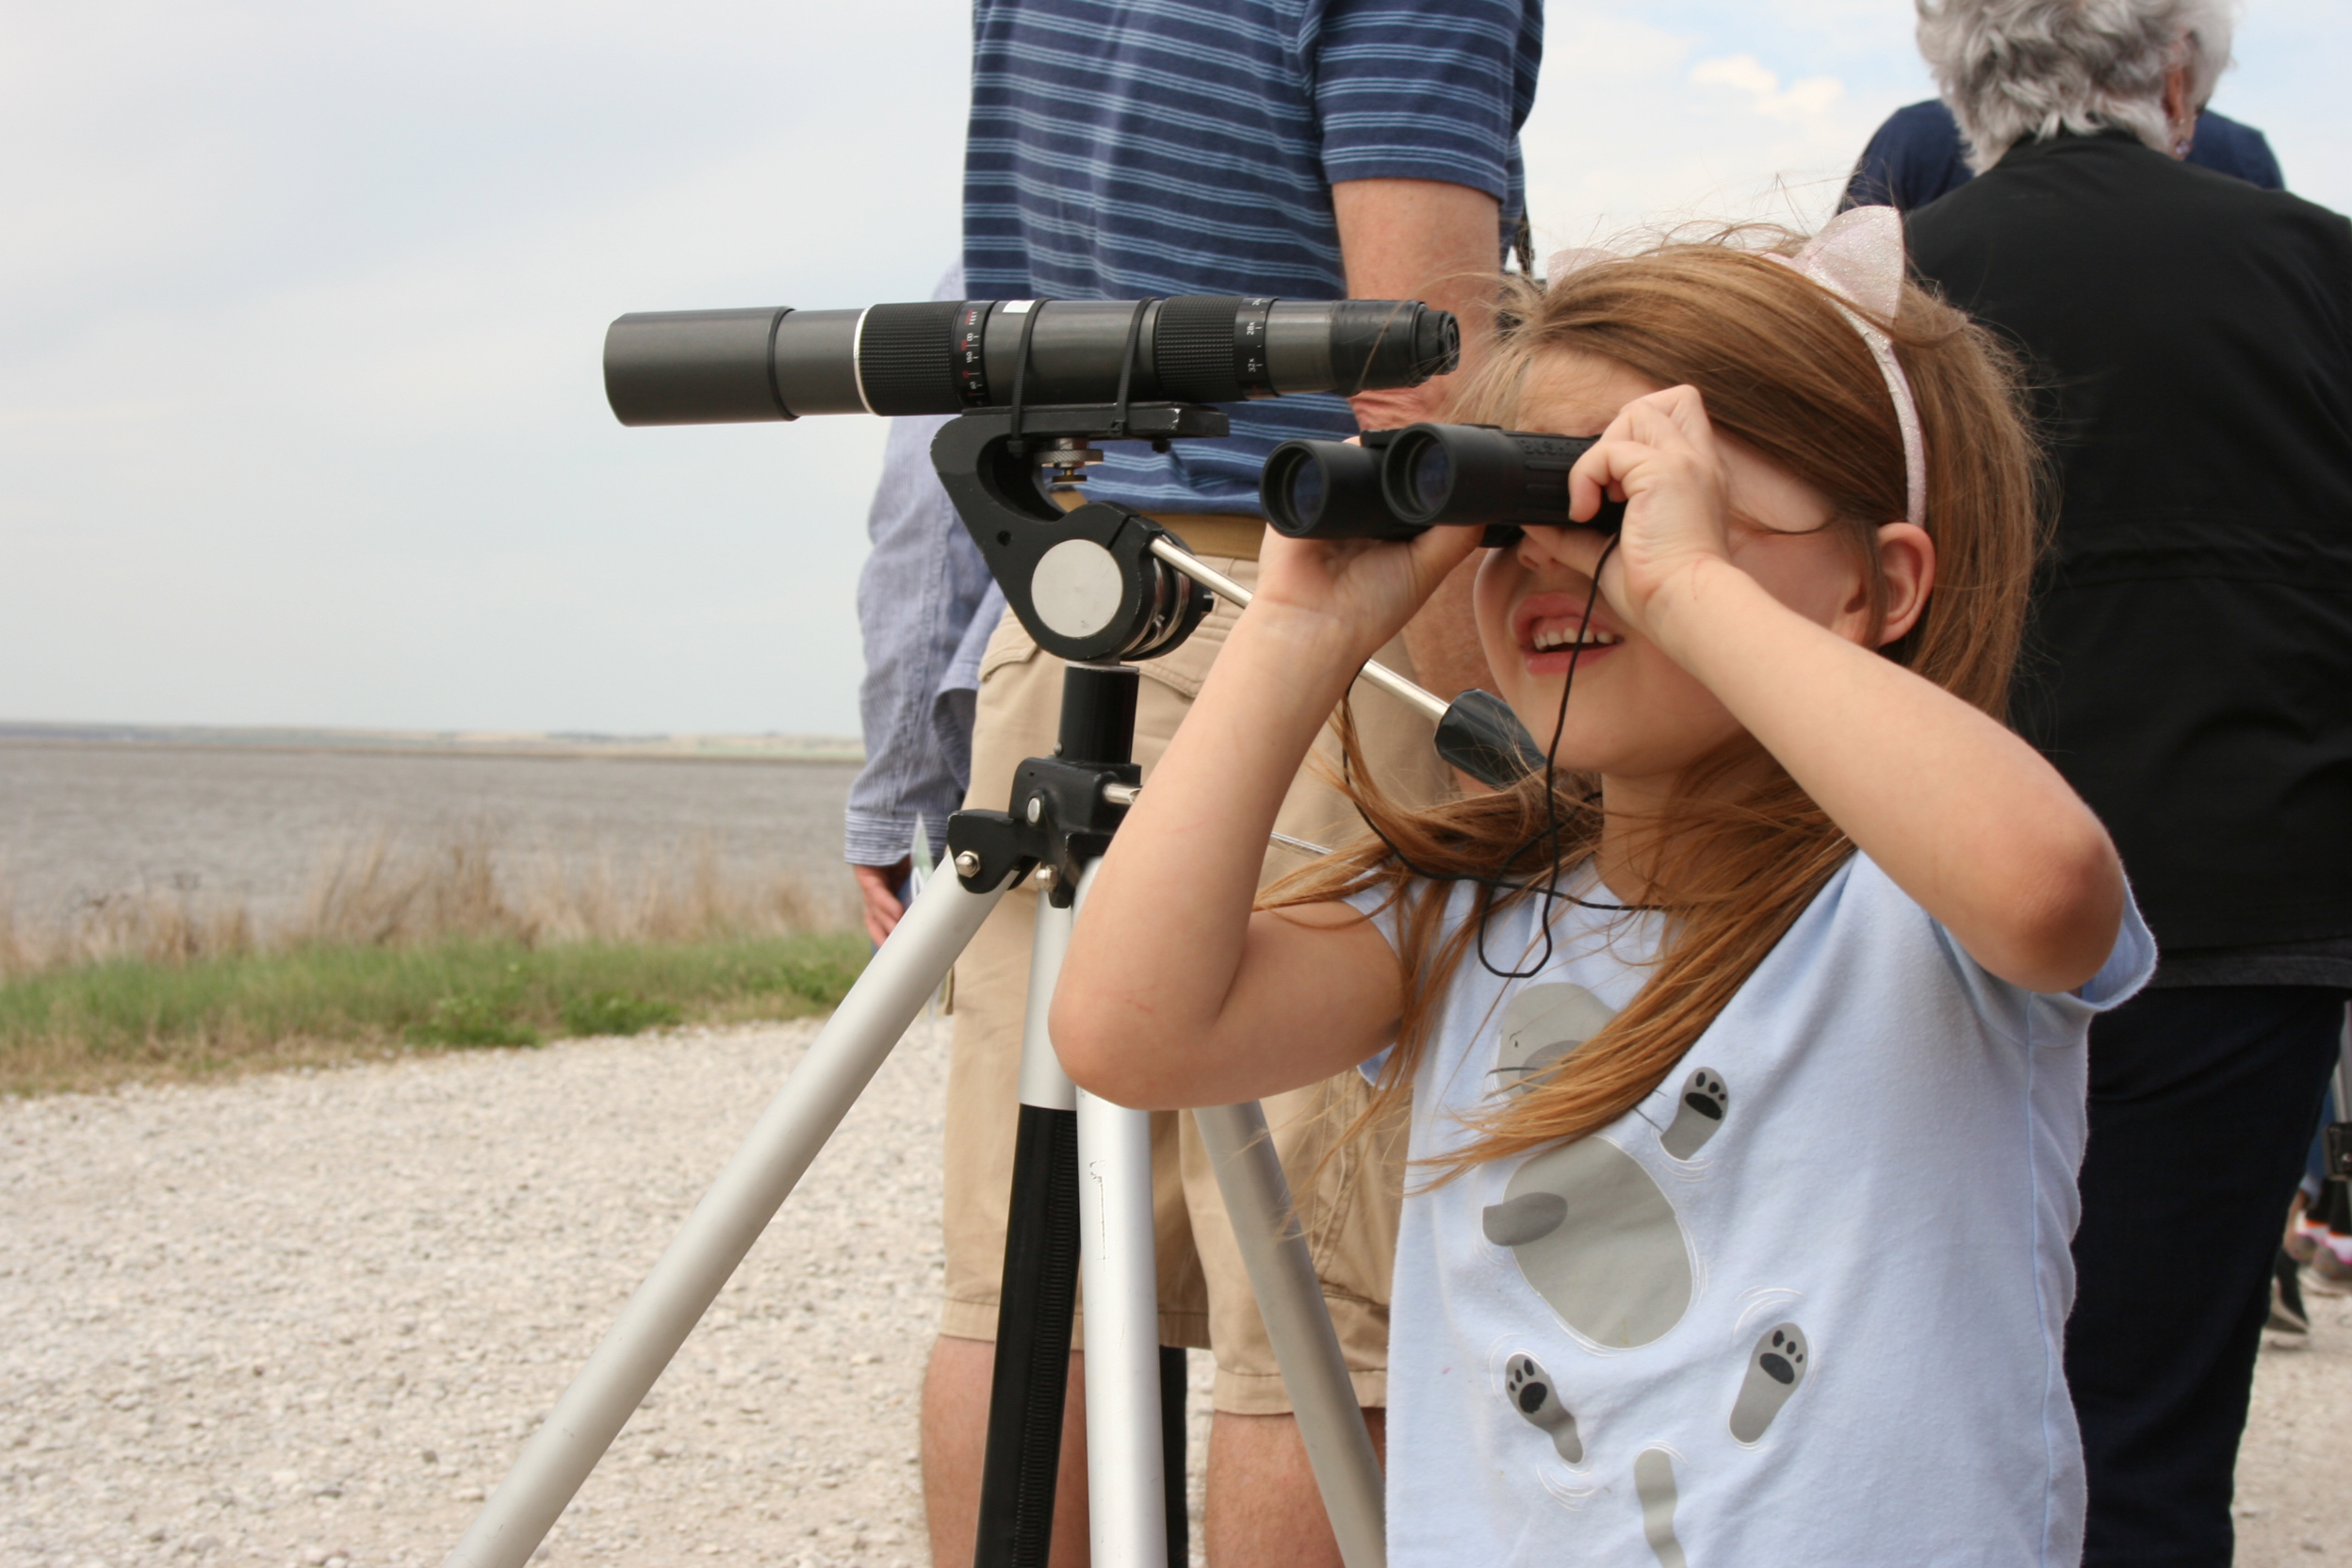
point(1309, 149)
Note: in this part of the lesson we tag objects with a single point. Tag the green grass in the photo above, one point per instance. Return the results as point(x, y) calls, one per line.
point(107, 1023)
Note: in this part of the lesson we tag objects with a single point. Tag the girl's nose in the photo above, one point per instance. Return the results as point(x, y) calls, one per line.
point(1537, 547)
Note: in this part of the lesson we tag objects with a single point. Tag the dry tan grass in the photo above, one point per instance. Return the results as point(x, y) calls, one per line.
point(163, 927)
point(374, 893)
point(376, 890)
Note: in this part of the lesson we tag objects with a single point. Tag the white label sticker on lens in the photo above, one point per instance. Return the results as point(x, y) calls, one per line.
point(1076, 588)
point(1016, 307)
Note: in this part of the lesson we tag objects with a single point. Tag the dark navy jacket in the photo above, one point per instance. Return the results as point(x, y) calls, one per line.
point(2190, 662)
point(1916, 157)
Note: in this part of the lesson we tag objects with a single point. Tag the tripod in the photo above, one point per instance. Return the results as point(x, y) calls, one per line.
point(1093, 585)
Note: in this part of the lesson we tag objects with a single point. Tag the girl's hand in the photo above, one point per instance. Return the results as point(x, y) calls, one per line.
point(1771, 617)
point(1659, 456)
point(1355, 592)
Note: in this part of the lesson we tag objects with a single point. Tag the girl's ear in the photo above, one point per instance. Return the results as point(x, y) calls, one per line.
point(1906, 560)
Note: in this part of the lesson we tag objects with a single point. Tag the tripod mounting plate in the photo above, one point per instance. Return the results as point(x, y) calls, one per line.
point(1084, 583)
point(1065, 820)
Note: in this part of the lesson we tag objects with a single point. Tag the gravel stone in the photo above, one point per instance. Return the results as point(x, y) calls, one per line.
point(306, 1320)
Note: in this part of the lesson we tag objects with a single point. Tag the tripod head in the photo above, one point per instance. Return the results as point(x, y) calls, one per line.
point(1032, 386)
point(1034, 383)
point(1084, 583)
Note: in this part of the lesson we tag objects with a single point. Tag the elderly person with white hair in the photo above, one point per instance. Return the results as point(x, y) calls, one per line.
point(2190, 672)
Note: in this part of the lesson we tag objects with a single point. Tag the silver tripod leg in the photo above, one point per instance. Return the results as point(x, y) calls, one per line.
point(731, 1217)
point(1298, 1325)
point(1118, 1268)
point(1282, 1271)
point(1126, 1475)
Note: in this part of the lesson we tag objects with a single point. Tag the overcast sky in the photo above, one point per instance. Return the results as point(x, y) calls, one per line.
point(300, 420)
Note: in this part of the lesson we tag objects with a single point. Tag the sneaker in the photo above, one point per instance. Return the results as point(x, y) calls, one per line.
point(2287, 1315)
point(2303, 1233)
point(2327, 1274)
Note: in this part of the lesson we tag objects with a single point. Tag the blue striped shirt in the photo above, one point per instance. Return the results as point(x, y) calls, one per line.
point(1126, 148)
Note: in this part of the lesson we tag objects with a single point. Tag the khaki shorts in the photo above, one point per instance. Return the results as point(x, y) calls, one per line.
point(1349, 1214)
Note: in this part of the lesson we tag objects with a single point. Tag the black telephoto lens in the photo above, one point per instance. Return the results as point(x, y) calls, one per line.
point(945, 356)
point(1483, 475)
point(1329, 490)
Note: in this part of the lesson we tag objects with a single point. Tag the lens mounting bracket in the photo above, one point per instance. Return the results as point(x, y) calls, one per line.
point(1084, 583)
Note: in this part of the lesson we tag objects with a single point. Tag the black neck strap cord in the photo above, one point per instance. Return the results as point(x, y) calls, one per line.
point(1549, 838)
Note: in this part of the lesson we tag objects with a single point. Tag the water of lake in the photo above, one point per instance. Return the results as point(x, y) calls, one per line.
point(79, 823)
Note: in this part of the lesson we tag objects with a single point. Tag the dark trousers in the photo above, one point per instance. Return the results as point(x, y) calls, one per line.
point(2201, 1105)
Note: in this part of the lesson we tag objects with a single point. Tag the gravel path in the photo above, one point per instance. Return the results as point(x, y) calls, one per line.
point(308, 1318)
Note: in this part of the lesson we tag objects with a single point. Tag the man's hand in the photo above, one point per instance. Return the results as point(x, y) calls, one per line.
point(878, 885)
point(1440, 244)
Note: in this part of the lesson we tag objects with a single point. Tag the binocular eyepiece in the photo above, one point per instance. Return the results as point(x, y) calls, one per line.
point(945, 356)
point(1399, 483)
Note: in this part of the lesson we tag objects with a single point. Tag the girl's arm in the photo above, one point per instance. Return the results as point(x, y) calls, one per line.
point(1965, 816)
point(1174, 992)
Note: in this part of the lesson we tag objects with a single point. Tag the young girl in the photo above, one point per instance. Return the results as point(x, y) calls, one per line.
point(1745, 1046)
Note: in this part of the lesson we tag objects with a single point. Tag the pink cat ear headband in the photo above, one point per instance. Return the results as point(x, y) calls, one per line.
point(1858, 257)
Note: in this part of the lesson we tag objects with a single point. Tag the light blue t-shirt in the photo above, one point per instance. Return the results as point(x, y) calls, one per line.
point(1802, 1306)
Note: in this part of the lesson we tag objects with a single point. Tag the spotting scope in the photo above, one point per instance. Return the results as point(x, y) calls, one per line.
point(945, 357)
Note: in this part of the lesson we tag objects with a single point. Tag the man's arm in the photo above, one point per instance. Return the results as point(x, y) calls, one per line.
point(1441, 244)
point(920, 585)
point(909, 594)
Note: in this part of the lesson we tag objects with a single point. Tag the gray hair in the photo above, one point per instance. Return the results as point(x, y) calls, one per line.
point(2018, 70)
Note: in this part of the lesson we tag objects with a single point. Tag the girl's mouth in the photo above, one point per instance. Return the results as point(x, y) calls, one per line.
point(1552, 634)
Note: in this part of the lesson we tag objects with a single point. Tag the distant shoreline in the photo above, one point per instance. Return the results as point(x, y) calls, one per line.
point(413, 742)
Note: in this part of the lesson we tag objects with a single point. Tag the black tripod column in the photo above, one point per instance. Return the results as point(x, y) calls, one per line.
point(1060, 800)
point(1033, 1325)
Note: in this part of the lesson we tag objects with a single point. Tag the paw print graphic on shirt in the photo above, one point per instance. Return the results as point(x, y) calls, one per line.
point(1697, 1116)
point(1532, 1395)
point(1776, 1370)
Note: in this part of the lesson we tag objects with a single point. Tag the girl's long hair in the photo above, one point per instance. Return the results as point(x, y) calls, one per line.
point(1742, 850)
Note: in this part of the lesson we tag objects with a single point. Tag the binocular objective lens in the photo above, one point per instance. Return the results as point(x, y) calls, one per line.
point(1432, 476)
point(1306, 491)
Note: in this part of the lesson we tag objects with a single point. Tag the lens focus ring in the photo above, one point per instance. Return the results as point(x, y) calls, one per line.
point(1194, 349)
point(907, 358)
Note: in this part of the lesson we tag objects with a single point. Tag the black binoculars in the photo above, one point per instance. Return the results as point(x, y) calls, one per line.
point(1399, 483)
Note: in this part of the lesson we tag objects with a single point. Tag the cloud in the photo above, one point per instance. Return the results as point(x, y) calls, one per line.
point(1644, 121)
point(1808, 100)
point(300, 316)
point(298, 389)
